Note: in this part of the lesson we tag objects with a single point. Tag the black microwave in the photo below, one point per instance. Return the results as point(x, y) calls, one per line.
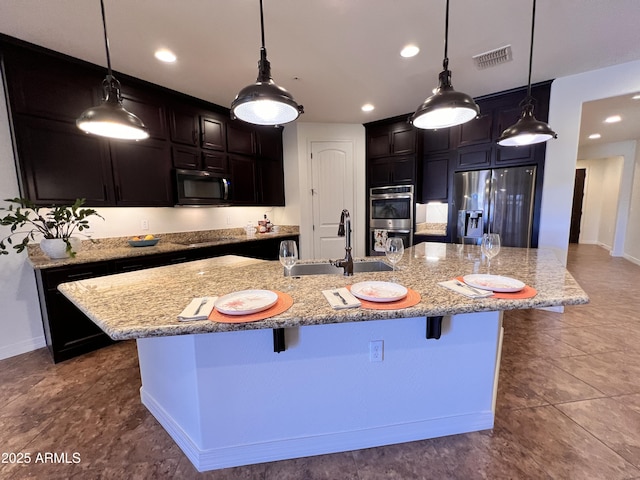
point(200, 187)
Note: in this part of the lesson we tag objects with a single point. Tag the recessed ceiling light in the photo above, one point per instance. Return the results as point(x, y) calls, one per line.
point(367, 107)
point(613, 119)
point(595, 136)
point(409, 51)
point(165, 55)
point(636, 97)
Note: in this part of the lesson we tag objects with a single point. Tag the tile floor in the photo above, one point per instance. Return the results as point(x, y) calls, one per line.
point(568, 406)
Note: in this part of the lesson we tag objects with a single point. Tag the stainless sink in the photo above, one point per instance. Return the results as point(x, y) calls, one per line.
point(328, 269)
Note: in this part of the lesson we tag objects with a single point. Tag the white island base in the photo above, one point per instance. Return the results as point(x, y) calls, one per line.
point(227, 399)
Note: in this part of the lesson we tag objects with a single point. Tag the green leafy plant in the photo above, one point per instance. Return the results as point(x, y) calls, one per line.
point(56, 222)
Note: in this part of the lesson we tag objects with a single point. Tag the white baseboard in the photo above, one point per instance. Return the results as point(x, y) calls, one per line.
point(22, 347)
point(281, 449)
point(631, 259)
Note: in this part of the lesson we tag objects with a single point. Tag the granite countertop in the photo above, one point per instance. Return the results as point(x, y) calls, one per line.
point(146, 303)
point(104, 249)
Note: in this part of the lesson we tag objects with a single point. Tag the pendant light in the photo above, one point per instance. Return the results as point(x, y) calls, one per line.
point(446, 107)
point(527, 130)
point(264, 102)
point(110, 118)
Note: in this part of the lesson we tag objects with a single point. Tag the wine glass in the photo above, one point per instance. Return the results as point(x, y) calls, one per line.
point(288, 256)
point(394, 249)
point(490, 247)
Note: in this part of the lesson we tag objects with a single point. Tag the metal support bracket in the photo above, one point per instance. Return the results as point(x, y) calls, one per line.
point(278, 340)
point(434, 327)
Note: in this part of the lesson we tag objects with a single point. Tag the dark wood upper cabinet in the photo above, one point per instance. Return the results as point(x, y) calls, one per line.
point(392, 171)
point(60, 163)
point(476, 156)
point(47, 87)
point(436, 140)
point(149, 109)
point(378, 144)
point(435, 179)
point(196, 159)
point(270, 179)
point(212, 130)
point(185, 157)
point(240, 139)
point(476, 131)
point(142, 173)
point(184, 125)
point(215, 162)
point(397, 138)
point(403, 140)
point(243, 180)
point(269, 142)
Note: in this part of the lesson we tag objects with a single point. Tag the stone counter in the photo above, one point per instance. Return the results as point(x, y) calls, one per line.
point(146, 303)
point(105, 249)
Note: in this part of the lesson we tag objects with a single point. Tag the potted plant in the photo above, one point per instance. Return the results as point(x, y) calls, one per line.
point(56, 224)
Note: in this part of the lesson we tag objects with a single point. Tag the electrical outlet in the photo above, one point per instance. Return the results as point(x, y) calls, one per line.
point(376, 350)
point(228, 220)
point(144, 224)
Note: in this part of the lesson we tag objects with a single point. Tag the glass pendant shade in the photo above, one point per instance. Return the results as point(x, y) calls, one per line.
point(445, 108)
point(264, 102)
point(110, 118)
point(526, 131)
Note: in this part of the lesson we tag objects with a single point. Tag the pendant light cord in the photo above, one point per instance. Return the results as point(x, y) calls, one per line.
point(445, 62)
point(106, 39)
point(261, 24)
point(533, 24)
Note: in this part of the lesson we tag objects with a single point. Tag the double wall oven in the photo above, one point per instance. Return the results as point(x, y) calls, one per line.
point(390, 215)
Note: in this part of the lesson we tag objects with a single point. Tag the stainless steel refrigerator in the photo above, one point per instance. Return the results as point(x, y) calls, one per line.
point(499, 200)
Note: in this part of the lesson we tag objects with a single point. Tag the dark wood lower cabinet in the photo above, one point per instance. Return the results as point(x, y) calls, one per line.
point(69, 332)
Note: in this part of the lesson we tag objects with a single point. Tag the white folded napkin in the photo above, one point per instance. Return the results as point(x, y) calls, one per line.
point(198, 309)
point(340, 298)
point(465, 289)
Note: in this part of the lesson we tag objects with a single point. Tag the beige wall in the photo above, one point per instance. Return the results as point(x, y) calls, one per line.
point(567, 96)
point(600, 202)
point(626, 214)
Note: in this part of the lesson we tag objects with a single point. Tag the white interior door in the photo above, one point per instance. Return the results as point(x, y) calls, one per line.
point(332, 189)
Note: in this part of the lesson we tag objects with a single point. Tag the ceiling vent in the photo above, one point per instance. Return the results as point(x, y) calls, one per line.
point(493, 57)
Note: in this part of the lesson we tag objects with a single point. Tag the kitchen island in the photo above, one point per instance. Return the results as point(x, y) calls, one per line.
point(227, 399)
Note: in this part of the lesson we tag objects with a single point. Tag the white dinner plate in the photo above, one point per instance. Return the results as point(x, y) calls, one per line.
point(379, 291)
point(246, 302)
point(496, 283)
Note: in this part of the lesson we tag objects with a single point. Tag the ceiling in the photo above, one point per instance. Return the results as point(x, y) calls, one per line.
point(334, 55)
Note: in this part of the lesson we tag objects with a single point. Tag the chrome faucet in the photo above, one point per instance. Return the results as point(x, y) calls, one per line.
point(344, 230)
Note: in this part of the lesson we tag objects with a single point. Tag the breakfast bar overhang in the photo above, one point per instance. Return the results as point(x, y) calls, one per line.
point(228, 399)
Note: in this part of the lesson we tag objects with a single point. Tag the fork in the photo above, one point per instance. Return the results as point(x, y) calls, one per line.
point(474, 290)
point(337, 294)
point(202, 303)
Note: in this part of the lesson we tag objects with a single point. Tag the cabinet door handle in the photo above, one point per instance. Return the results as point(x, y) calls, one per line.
point(132, 267)
point(83, 274)
point(194, 137)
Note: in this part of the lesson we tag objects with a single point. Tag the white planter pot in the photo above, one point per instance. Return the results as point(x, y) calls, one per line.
point(57, 248)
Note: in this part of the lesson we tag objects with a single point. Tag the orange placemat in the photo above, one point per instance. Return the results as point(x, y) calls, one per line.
point(412, 298)
point(282, 305)
point(526, 292)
